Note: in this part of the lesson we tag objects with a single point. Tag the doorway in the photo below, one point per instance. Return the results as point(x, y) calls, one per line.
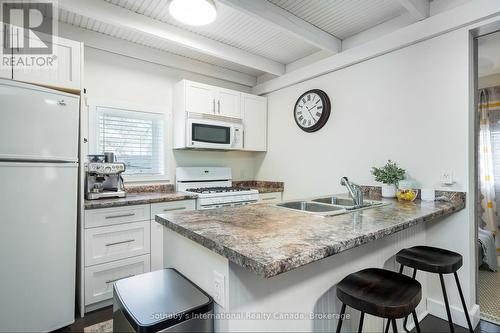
point(488, 178)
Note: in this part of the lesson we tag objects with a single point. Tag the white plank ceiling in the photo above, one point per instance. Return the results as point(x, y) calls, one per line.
point(343, 18)
point(238, 29)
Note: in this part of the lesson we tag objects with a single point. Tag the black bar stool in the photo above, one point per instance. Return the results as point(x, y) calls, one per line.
point(381, 293)
point(435, 260)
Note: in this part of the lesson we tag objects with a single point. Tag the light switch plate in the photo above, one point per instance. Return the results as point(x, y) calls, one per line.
point(219, 293)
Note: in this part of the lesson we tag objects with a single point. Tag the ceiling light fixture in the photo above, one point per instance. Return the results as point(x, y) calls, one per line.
point(193, 12)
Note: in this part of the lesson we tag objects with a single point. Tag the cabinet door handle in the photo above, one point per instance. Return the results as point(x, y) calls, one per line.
point(174, 208)
point(114, 280)
point(121, 242)
point(118, 216)
point(213, 105)
point(269, 198)
point(218, 105)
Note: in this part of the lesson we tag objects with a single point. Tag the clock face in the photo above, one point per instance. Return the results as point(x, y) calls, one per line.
point(312, 110)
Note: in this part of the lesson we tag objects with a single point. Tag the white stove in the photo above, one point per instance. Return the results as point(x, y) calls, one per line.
point(213, 185)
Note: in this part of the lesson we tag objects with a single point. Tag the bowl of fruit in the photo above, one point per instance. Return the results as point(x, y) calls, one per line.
point(406, 192)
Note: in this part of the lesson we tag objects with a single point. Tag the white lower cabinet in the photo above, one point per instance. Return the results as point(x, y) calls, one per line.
point(157, 228)
point(119, 242)
point(272, 197)
point(99, 279)
point(116, 242)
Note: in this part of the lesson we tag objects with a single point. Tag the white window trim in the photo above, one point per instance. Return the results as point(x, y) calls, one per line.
point(116, 104)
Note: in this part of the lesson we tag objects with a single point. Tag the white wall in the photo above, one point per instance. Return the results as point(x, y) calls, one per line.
point(114, 77)
point(411, 106)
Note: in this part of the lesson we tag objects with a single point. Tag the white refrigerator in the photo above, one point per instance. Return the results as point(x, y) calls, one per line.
point(38, 207)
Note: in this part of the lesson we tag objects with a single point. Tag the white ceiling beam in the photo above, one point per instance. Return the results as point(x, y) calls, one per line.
point(286, 22)
point(419, 9)
point(175, 62)
point(124, 18)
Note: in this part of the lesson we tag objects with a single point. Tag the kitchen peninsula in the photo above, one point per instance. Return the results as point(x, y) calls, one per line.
point(262, 263)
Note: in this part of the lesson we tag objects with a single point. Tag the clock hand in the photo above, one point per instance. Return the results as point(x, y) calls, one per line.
point(310, 114)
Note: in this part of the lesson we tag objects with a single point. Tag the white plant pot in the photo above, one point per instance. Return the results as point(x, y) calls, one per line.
point(389, 191)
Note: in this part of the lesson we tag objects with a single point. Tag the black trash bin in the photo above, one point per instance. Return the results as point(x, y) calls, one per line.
point(161, 301)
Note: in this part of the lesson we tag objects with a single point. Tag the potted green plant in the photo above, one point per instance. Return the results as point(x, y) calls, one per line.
point(390, 174)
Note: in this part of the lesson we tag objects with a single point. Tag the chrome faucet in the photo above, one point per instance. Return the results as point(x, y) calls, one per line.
point(354, 191)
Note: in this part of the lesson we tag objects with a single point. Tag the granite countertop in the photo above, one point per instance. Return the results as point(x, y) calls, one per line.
point(140, 195)
point(138, 199)
point(261, 186)
point(270, 240)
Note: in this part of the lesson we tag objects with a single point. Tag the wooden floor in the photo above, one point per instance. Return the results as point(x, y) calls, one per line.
point(90, 319)
point(430, 324)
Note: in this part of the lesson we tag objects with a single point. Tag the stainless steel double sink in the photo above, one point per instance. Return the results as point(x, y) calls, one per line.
point(327, 206)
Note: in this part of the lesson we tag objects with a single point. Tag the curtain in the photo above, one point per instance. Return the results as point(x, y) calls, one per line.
point(489, 103)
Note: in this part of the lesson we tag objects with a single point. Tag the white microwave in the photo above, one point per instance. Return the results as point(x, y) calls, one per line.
point(213, 133)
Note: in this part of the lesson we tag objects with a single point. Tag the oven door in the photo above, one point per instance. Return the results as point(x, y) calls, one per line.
point(210, 134)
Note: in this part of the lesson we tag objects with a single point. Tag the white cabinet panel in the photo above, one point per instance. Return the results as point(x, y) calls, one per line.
point(116, 215)
point(115, 242)
point(5, 70)
point(228, 103)
point(48, 131)
point(65, 71)
point(157, 229)
point(99, 279)
point(254, 109)
point(199, 98)
point(166, 207)
point(273, 197)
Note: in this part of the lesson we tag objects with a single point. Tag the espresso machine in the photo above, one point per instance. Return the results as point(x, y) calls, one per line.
point(103, 177)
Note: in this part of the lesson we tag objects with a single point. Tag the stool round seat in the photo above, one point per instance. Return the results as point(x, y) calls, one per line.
point(380, 292)
point(430, 259)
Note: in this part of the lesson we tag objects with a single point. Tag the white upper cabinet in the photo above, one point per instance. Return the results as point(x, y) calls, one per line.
point(254, 111)
point(65, 71)
point(203, 98)
point(199, 97)
point(228, 103)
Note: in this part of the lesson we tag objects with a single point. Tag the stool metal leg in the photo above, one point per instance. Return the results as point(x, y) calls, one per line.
point(394, 327)
point(387, 326)
point(415, 319)
point(406, 318)
point(360, 328)
point(450, 322)
point(342, 311)
point(463, 302)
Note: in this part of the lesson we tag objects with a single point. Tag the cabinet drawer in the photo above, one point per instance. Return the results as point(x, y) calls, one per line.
point(99, 279)
point(270, 197)
point(115, 242)
point(172, 206)
point(116, 215)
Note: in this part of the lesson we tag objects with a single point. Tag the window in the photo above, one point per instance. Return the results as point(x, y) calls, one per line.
point(136, 138)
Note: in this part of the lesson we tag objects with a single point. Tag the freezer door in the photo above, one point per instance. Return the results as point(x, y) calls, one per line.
point(38, 214)
point(37, 123)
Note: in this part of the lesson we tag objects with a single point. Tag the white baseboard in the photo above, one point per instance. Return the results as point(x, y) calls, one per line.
point(437, 308)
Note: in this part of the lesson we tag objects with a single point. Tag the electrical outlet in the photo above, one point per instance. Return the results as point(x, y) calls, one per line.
point(447, 177)
point(219, 293)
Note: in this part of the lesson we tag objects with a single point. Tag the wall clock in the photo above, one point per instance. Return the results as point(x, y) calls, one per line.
point(312, 110)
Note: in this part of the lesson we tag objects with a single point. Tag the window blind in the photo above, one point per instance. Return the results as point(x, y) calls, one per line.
point(136, 138)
